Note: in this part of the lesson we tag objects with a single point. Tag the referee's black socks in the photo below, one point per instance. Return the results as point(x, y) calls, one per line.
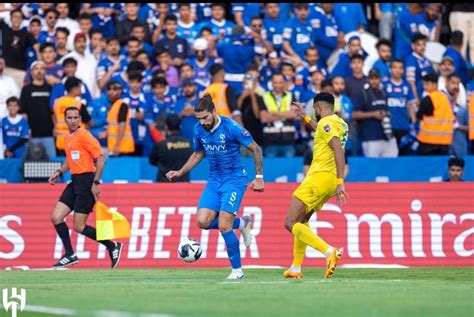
point(90, 232)
point(63, 232)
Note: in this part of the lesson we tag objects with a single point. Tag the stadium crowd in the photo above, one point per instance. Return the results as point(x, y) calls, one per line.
point(127, 66)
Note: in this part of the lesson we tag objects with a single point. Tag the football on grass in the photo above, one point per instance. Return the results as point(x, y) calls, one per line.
point(189, 250)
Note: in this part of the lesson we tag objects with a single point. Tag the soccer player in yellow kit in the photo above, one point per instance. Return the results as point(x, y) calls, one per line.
point(325, 179)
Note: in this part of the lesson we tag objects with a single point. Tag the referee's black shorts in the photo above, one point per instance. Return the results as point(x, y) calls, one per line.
point(77, 195)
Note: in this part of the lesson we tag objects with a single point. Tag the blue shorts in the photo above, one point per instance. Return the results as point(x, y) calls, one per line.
point(224, 195)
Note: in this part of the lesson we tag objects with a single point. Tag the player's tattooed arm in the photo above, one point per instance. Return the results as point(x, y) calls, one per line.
point(257, 185)
point(257, 157)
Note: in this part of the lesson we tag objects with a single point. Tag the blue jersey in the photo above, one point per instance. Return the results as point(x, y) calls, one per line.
point(137, 104)
point(426, 27)
point(122, 81)
point(102, 22)
point(13, 130)
point(399, 96)
point(189, 32)
point(383, 68)
point(59, 90)
point(417, 67)
point(274, 32)
point(237, 56)
point(460, 66)
point(298, 34)
point(349, 16)
point(222, 147)
point(342, 67)
point(187, 122)
point(201, 74)
point(47, 37)
point(266, 74)
point(324, 33)
point(217, 27)
point(203, 11)
point(106, 64)
point(303, 75)
point(285, 11)
point(406, 27)
point(346, 107)
point(159, 108)
point(248, 10)
point(98, 109)
point(149, 14)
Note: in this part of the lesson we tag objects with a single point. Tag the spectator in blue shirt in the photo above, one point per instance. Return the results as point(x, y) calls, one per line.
point(136, 100)
point(201, 62)
point(350, 17)
point(325, 30)
point(401, 103)
point(187, 28)
point(459, 146)
point(176, 46)
point(311, 63)
point(428, 21)
point(298, 91)
point(185, 108)
point(237, 55)
point(261, 45)
point(102, 16)
point(272, 65)
point(384, 49)
point(112, 65)
point(51, 17)
point(454, 51)
point(219, 26)
point(405, 28)
point(54, 71)
point(15, 130)
point(417, 65)
point(138, 32)
point(342, 67)
point(297, 32)
point(203, 12)
point(59, 90)
point(245, 12)
point(273, 25)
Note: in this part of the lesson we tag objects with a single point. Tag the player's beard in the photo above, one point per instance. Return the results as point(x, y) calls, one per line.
point(318, 117)
point(209, 127)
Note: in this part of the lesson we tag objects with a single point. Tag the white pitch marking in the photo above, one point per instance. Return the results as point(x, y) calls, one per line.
point(50, 310)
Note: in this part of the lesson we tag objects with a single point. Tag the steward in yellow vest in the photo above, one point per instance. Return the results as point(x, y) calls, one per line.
point(72, 98)
point(436, 119)
point(119, 131)
point(223, 95)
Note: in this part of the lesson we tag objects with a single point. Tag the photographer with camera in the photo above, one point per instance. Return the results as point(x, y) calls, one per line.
point(371, 110)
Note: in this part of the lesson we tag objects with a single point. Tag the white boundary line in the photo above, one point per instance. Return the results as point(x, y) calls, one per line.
point(59, 311)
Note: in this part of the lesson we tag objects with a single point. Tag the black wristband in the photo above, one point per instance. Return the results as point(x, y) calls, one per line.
point(97, 182)
point(59, 171)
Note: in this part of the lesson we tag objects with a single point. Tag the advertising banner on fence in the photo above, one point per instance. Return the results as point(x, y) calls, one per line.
point(404, 224)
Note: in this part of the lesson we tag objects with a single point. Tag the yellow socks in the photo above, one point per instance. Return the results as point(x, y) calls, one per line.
point(307, 236)
point(299, 250)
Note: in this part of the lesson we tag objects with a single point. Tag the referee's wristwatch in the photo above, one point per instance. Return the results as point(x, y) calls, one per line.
point(97, 182)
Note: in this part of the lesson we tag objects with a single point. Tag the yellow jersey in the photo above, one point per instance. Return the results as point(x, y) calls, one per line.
point(323, 156)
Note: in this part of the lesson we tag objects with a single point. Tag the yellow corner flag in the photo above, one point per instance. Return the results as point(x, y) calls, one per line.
point(110, 224)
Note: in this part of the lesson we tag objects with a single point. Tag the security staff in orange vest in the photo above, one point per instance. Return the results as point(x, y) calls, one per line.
point(223, 95)
point(72, 98)
point(119, 132)
point(471, 121)
point(436, 119)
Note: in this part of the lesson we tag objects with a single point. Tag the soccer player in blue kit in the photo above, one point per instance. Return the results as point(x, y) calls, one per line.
point(219, 139)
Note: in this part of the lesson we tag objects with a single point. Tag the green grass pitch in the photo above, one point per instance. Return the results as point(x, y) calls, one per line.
point(264, 292)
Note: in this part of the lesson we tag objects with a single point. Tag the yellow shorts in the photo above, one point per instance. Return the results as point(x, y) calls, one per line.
point(315, 190)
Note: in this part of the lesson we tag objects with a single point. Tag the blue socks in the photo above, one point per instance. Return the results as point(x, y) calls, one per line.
point(215, 223)
point(233, 248)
